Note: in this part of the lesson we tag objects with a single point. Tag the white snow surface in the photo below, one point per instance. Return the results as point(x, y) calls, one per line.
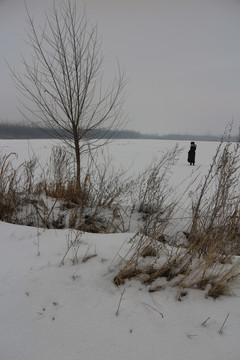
point(54, 312)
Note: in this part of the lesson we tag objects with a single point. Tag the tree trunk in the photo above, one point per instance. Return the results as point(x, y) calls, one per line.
point(78, 164)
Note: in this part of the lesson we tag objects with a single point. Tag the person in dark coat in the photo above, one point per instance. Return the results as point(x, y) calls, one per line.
point(191, 153)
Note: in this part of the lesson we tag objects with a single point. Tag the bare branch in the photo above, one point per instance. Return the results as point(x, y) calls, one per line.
point(62, 87)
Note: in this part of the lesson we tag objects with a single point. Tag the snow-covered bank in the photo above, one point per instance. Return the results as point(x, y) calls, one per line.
point(69, 312)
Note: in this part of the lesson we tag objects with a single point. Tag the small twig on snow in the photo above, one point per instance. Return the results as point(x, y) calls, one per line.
point(117, 312)
point(221, 330)
point(205, 322)
point(154, 309)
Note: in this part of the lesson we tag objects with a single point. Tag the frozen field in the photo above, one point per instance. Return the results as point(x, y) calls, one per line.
point(69, 312)
point(133, 155)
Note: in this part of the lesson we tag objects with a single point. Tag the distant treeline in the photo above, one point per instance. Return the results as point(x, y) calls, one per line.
point(25, 131)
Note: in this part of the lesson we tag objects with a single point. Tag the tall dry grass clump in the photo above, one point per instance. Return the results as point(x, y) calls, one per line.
point(47, 197)
point(207, 259)
point(11, 194)
point(215, 205)
point(153, 195)
point(157, 208)
point(214, 235)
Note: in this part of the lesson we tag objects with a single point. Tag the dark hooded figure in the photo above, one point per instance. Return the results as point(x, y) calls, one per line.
point(191, 153)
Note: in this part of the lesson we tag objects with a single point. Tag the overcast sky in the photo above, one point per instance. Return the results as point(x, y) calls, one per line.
point(182, 58)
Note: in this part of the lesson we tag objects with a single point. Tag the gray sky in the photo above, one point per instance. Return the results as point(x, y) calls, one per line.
point(182, 58)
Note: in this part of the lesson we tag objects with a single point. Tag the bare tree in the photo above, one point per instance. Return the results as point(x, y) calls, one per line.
point(62, 84)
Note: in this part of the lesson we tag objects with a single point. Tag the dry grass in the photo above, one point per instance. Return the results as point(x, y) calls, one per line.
point(73, 244)
point(207, 259)
point(153, 185)
point(51, 200)
point(11, 194)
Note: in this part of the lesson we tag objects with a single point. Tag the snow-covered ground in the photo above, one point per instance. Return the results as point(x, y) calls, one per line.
point(73, 312)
